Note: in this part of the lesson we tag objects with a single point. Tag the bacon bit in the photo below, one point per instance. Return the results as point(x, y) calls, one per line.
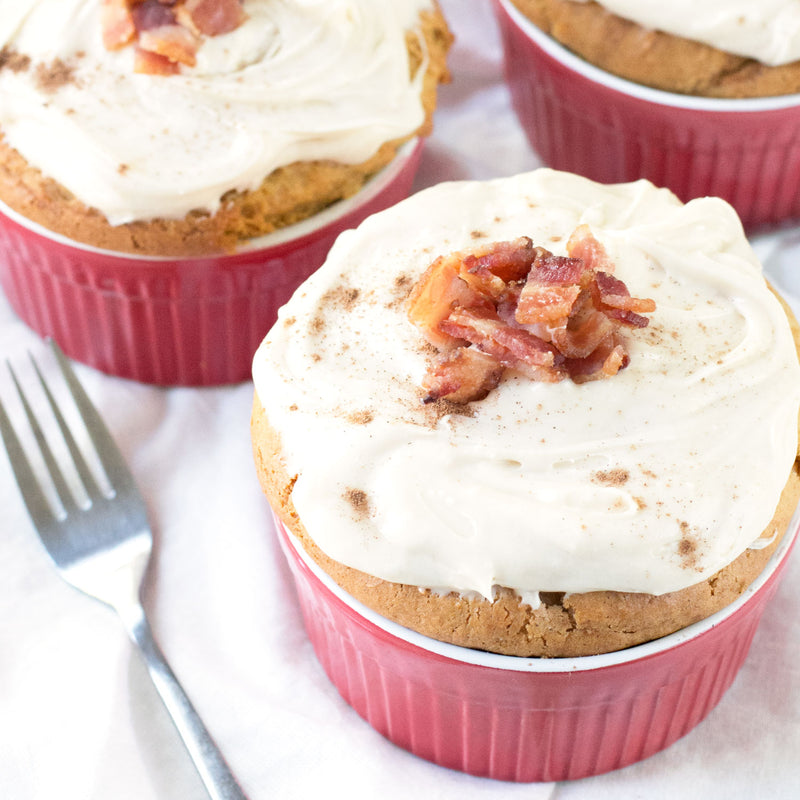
point(434, 297)
point(166, 30)
point(511, 305)
point(183, 17)
point(582, 244)
point(490, 334)
point(462, 375)
point(116, 21)
point(582, 334)
point(213, 17)
point(173, 42)
point(148, 63)
point(606, 361)
point(150, 14)
point(613, 293)
point(508, 261)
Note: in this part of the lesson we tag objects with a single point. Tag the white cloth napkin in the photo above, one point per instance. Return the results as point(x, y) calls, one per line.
point(79, 719)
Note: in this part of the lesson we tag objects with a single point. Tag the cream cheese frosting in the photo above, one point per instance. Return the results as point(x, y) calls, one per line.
point(699, 432)
point(768, 30)
point(299, 80)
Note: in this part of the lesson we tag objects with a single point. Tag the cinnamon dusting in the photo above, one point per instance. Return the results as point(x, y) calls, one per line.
point(363, 417)
point(611, 477)
point(342, 297)
point(359, 501)
point(53, 76)
point(13, 61)
point(688, 546)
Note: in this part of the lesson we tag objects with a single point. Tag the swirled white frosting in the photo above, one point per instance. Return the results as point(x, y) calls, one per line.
point(700, 429)
point(299, 80)
point(767, 30)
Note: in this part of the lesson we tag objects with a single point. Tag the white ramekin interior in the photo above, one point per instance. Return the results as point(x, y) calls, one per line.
point(550, 665)
point(376, 184)
point(570, 60)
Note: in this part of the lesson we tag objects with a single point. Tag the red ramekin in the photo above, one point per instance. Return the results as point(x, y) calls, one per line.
point(175, 321)
point(582, 119)
point(520, 719)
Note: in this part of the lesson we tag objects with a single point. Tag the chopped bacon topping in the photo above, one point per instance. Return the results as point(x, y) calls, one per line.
point(462, 375)
point(511, 305)
point(166, 33)
point(150, 14)
point(174, 42)
point(213, 17)
point(117, 24)
point(149, 63)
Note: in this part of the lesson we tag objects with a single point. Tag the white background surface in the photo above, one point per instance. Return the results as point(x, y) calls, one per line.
point(79, 719)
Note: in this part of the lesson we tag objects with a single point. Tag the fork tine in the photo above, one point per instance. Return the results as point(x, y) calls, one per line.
point(64, 493)
point(89, 483)
point(110, 456)
point(38, 505)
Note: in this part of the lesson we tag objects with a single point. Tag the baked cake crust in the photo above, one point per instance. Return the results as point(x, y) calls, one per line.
point(563, 625)
point(288, 195)
point(656, 59)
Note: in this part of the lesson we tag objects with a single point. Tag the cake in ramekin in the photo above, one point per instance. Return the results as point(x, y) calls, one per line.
point(701, 99)
point(615, 462)
point(184, 132)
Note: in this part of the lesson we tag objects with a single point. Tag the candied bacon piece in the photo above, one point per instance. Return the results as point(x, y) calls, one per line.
point(545, 302)
point(616, 360)
point(480, 278)
point(151, 14)
point(434, 297)
point(614, 293)
point(461, 375)
point(492, 268)
point(507, 303)
point(171, 41)
point(607, 360)
point(477, 327)
point(490, 334)
point(527, 347)
point(183, 17)
point(629, 318)
point(583, 244)
point(513, 305)
point(509, 261)
point(168, 29)
point(581, 337)
point(551, 289)
point(213, 17)
point(545, 374)
point(116, 22)
point(148, 63)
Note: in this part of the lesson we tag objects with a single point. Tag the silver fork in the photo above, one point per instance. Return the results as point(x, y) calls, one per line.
point(103, 548)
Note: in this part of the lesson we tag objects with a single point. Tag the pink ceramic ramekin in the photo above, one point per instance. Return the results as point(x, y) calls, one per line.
point(175, 321)
point(520, 719)
point(582, 119)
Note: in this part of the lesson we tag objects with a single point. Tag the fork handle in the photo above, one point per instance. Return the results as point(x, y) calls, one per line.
point(214, 771)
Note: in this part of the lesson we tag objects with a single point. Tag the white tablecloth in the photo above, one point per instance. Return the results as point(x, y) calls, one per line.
point(79, 719)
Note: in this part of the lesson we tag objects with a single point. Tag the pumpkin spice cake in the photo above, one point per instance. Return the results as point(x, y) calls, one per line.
point(555, 444)
point(538, 415)
point(190, 127)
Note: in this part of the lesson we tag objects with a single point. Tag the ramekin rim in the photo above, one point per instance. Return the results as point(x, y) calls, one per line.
point(328, 216)
point(545, 665)
point(658, 96)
